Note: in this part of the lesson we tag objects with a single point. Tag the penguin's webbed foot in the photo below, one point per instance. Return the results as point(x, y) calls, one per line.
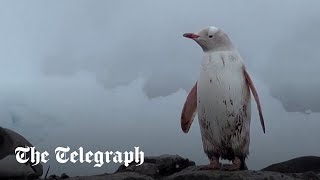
point(235, 166)
point(214, 165)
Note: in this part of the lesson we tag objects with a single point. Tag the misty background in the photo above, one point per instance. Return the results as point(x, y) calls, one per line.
point(111, 75)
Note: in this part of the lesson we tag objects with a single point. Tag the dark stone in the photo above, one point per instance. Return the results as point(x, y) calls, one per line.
point(296, 165)
point(310, 175)
point(64, 176)
point(158, 166)
point(195, 173)
point(174, 167)
point(116, 176)
point(53, 177)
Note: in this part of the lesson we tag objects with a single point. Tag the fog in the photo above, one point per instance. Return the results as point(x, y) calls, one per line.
point(113, 75)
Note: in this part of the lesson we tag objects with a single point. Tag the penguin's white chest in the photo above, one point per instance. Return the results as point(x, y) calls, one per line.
point(223, 101)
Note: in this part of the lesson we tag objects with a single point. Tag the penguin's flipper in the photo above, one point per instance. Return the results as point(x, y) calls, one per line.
point(189, 109)
point(255, 95)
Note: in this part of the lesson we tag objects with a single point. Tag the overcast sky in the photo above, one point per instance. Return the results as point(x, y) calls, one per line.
point(110, 75)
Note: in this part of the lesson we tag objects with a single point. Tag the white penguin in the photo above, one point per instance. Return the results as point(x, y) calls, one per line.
point(221, 97)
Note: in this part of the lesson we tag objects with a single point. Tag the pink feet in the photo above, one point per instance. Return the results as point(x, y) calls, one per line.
point(235, 166)
point(214, 165)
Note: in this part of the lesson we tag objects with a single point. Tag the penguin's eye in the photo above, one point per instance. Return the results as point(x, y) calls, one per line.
point(210, 36)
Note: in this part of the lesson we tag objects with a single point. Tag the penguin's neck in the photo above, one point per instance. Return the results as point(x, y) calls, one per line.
point(220, 60)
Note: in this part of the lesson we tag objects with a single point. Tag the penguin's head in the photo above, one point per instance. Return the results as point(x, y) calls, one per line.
point(211, 39)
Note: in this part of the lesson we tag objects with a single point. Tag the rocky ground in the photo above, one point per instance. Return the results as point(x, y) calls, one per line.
point(174, 167)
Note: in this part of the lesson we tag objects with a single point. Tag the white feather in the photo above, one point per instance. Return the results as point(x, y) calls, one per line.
point(221, 92)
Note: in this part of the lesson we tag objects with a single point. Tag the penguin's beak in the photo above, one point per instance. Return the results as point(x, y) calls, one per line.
point(190, 35)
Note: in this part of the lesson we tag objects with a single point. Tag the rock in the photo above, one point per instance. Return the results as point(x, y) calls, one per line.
point(9, 167)
point(195, 173)
point(310, 175)
point(64, 176)
point(53, 177)
point(159, 166)
point(174, 167)
point(296, 165)
point(116, 176)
